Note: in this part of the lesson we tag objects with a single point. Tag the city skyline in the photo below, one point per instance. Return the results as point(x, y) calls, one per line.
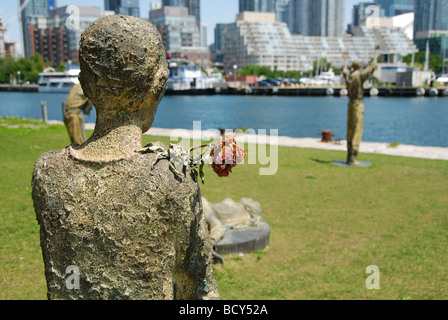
point(129, 7)
point(212, 12)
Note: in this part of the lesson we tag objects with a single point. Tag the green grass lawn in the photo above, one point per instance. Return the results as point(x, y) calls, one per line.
point(328, 223)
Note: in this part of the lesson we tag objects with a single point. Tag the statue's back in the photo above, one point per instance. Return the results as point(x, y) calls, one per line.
point(122, 226)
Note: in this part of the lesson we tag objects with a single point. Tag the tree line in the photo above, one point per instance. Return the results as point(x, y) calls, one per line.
point(29, 68)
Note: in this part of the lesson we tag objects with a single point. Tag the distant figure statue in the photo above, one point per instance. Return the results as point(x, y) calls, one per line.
point(76, 104)
point(116, 224)
point(355, 80)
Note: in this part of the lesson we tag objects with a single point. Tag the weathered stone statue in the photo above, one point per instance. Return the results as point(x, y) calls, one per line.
point(112, 225)
point(355, 80)
point(77, 104)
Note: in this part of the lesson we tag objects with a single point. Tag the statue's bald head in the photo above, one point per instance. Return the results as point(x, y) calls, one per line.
point(122, 58)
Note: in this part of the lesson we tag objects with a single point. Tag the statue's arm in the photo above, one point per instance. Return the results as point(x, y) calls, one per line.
point(199, 261)
point(87, 107)
point(345, 70)
point(194, 274)
point(373, 66)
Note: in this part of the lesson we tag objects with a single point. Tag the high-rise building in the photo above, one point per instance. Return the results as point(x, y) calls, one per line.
point(431, 26)
point(396, 7)
point(204, 40)
point(282, 11)
point(51, 4)
point(2, 38)
point(194, 7)
point(280, 7)
point(181, 35)
point(128, 7)
point(317, 17)
point(430, 15)
point(56, 40)
point(258, 39)
point(257, 5)
point(30, 12)
point(359, 12)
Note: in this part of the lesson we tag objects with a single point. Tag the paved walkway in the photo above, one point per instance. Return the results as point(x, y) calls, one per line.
point(313, 143)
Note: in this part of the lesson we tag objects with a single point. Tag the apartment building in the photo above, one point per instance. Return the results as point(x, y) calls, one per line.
point(258, 39)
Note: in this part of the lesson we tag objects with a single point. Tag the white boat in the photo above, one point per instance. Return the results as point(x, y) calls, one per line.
point(323, 79)
point(188, 78)
point(327, 77)
point(58, 82)
point(443, 78)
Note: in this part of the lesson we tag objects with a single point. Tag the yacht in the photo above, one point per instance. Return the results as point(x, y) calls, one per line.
point(187, 77)
point(327, 77)
point(58, 82)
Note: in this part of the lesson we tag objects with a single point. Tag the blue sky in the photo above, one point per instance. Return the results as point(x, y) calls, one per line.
point(212, 12)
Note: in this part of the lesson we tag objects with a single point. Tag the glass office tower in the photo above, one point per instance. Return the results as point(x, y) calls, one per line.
point(128, 7)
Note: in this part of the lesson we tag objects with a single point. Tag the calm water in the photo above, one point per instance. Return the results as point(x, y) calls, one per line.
point(417, 121)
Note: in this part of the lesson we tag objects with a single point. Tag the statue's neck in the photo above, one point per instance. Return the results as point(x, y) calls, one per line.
point(116, 136)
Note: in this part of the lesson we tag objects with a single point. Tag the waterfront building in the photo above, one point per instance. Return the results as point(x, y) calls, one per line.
point(431, 26)
point(258, 39)
point(403, 22)
point(55, 39)
point(394, 35)
point(193, 6)
point(359, 12)
point(204, 41)
point(128, 7)
point(282, 11)
point(52, 4)
point(30, 13)
point(257, 5)
point(217, 49)
point(10, 49)
point(2, 38)
point(431, 15)
point(322, 18)
point(396, 7)
point(181, 35)
point(155, 5)
point(280, 7)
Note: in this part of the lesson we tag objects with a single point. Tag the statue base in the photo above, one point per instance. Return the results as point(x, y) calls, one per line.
point(244, 240)
point(360, 164)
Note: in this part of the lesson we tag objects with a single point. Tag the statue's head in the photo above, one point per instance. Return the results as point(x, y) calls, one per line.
point(123, 66)
point(356, 65)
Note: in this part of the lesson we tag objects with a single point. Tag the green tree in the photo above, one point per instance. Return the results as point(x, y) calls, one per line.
point(435, 61)
point(61, 67)
point(29, 68)
point(6, 69)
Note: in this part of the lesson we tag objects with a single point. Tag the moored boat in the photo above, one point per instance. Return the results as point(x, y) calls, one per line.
point(58, 82)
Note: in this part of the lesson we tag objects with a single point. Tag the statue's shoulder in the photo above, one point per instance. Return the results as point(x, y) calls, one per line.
point(51, 158)
point(49, 166)
point(156, 155)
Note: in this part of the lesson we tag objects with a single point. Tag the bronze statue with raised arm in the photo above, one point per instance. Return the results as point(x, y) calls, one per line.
point(355, 79)
point(115, 223)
